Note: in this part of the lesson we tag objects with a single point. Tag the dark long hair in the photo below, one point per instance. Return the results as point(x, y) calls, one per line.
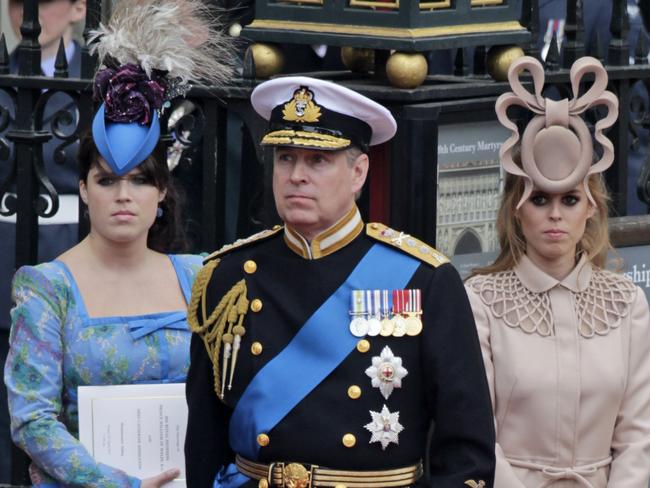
point(167, 234)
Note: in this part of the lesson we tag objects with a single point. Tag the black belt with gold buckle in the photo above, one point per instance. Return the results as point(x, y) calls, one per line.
point(300, 475)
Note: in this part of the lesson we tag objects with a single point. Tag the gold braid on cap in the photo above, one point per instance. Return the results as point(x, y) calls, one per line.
point(224, 326)
point(556, 147)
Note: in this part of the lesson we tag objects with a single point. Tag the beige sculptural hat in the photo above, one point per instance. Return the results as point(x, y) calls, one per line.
point(556, 148)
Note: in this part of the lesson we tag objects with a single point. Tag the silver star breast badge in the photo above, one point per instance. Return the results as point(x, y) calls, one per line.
point(385, 427)
point(386, 372)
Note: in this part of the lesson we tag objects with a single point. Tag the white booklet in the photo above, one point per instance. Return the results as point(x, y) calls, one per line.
point(139, 429)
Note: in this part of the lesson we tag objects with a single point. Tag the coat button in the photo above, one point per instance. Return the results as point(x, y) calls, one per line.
point(250, 266)
point(349, 440)
point(263, 483)
point(363, 345)
point(263, 440)
point(339, 485)
point(256, 305)
point(256, 348)
point(354, 392)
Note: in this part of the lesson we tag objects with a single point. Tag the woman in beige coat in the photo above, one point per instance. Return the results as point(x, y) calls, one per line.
point(566, 344)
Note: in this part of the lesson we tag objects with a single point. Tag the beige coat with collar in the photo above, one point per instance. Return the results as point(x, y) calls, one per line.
point(568, 364)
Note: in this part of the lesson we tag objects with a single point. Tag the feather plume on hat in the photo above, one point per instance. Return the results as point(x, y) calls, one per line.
point(180, 37)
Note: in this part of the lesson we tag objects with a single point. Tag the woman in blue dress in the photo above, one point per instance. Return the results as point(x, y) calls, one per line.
point(112, 309)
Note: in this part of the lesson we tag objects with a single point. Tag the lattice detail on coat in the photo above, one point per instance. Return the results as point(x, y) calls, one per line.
point(600, 307)
point(512, 302)
point(604, 303)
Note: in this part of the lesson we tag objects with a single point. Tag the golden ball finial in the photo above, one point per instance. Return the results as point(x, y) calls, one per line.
point(358, 59)
point(500, 58)
point(406, 70)
point(268, 59)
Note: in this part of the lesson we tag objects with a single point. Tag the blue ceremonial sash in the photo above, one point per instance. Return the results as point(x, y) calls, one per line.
point(322, 343)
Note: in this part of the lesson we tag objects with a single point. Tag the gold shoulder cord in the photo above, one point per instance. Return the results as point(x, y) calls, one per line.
point(223, 326)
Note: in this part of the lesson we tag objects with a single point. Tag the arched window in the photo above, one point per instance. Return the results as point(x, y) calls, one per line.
point(468, 242)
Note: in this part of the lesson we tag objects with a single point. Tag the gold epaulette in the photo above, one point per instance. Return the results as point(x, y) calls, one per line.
point(243, 242)
point(406, 243)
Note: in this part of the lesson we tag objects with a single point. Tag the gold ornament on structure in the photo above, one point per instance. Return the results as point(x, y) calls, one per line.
point(301, 108)
point(482, 3)
point(268, 59)
point(500, 58)
point(406, 70)
point(358, 59)
point(381, 4)
point(400, 32)
point(438, 4)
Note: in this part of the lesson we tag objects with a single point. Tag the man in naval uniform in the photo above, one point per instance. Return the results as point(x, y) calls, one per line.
point(329, 352)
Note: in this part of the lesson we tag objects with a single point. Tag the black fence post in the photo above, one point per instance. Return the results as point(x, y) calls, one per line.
point(574, 46)
point(27, 153)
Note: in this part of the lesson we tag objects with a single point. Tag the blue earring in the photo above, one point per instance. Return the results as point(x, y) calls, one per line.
point(159, 212)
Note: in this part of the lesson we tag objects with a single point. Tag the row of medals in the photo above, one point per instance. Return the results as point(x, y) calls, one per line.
point(386, 324)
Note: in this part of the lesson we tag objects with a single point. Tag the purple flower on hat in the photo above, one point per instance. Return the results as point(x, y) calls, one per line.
point(128, 93)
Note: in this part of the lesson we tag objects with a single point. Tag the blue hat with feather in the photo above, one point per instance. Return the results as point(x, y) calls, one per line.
point(124, 145)
point(126, 128)
point(149, 53)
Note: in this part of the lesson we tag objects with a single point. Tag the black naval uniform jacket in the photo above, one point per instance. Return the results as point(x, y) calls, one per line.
point(444, 403)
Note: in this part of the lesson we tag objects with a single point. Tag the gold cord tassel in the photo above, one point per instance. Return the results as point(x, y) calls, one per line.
point(239, 331)
point(219, 327)
point(227, 341)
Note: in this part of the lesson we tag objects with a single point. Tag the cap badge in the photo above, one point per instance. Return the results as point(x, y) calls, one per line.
point(301, 108)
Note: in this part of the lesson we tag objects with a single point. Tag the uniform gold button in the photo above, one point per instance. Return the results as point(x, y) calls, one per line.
point(250, 266)
point(354, 392)
point(263, 440)
point(340, 486)
point(256, 348)
point(256, 305)
point(349, 440)
point(263, 483)
point(363, 345)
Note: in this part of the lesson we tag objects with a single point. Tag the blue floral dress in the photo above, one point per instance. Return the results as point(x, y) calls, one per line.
point(56, 347)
